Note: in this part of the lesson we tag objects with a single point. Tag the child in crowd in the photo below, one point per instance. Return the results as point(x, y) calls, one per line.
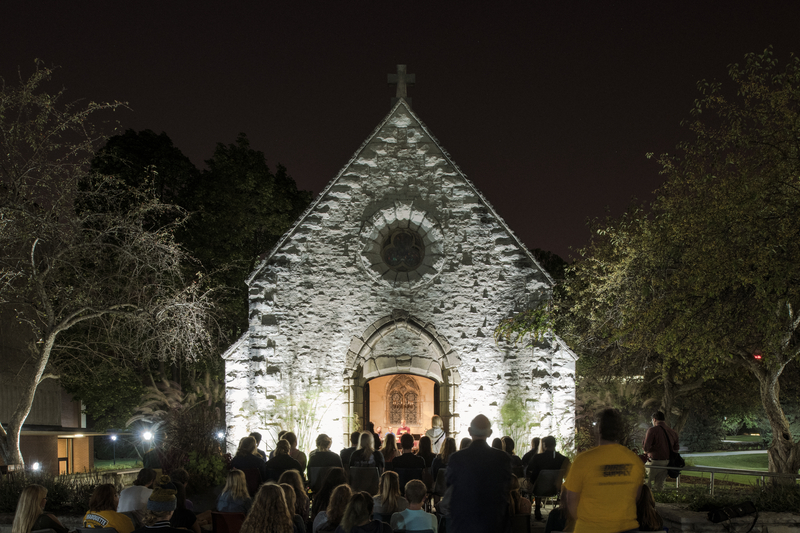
point(415, 518)
point(103, 510)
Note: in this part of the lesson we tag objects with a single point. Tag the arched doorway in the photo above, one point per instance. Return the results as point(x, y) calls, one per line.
point(391, 399)
point(400, 344)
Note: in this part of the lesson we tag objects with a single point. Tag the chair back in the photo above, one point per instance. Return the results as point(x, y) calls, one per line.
point(317, 475)
point(548, 483)
point(364, 478)
point(226, 522)
point(382, 517)
point(253, 479)
point(440, 486)
point(406, 475)
point(521, 523)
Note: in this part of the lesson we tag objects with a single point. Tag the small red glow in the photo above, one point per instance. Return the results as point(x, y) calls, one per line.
point(757, 356)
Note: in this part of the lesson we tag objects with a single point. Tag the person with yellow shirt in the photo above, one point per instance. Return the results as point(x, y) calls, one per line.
point(103, 510)
point(604, 483)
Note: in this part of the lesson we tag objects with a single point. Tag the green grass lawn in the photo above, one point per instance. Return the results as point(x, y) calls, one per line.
point(124, 463)
point(744, 438)
point(757, 462)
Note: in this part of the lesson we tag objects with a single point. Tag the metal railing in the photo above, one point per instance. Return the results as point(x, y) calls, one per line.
point(725, 471)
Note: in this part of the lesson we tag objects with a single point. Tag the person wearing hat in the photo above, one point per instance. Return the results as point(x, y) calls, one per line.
point(160, 506)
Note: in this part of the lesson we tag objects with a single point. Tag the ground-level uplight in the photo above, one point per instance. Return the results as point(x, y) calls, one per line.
point(114, 443)
point(36, 466)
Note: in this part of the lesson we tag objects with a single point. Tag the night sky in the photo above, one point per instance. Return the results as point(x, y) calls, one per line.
point(548, 107)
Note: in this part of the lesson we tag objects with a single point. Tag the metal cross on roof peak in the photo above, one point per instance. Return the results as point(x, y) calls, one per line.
point(402, 80)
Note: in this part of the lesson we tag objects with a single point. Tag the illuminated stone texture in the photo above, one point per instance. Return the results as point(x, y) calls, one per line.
point(327, 313)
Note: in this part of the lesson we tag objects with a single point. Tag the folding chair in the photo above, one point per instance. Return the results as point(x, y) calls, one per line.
point(226, 522)
point(364, 478)
point(547, 484)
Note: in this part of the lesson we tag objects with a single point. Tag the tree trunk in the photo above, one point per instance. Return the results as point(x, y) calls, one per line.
point(783, 453)
point(13, 454)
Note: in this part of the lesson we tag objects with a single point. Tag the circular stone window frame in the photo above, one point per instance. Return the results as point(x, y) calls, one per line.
point(377, 228)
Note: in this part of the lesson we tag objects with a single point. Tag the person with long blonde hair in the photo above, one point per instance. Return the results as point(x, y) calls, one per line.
point(234, 497)
point(30, 513)
point(358, 516)
point(269, 513)
point(646, 514)
point(328, 521)
point(389, 448)
point(517, 503)
point(366, 455)
point(297, 520)
point(388, 500)
point(103, 510)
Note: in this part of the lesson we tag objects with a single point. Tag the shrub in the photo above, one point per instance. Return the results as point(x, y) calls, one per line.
point(703, 432)
point(65, 494)
point(777, 499)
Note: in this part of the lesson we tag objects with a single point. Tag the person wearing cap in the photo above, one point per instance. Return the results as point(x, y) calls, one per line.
point(480, 478)
point(160, 506)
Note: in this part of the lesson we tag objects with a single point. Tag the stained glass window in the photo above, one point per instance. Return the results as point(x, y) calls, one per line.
point(403, 250)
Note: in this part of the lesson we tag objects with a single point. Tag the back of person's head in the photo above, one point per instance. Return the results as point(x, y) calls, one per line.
point(480, 427)
point(292, 477)
point(29, 507)
point(390, 442)
point(323, 442)
point(658, 415)
point(415, 491)
point(292, 438)
point(256, 435)
point(338, 503)
point(464, 444)
point(549, 442)
point(145, 477)
point(367, 442)
point(180, 496)
point(269, 512)
point(179, 475)
point(535, 441)
point(646, 512)
point(160, 504)
point(354, 436)
point(406, 441)
point(448, 449)
point(436, 422)
point(236, 484)
point(104, 498)
point(389, 490)
point(247, 446)
point(283, 447)
point(358, 509)
point(281, 433)
point(425, 446)
point(497, 443)
point(289, 494)
point(508, 444)
point(370, 427)
point(610, 426)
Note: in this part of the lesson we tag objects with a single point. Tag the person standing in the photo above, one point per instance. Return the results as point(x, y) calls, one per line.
point(437, 433)
point(479, 478)
point(657, 444)
point(604, 483)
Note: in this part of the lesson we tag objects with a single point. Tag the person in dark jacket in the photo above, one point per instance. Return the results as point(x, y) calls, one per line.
point(247, 457)
point(281, 462)
point(323, 456)
point(549, 459)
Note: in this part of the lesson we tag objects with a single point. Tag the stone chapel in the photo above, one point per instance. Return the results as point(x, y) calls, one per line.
point(380, 303)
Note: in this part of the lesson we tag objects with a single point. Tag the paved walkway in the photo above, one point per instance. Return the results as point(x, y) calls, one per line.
point(707, 454)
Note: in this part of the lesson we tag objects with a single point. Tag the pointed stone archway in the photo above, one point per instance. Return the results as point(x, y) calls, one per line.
point(401, 344)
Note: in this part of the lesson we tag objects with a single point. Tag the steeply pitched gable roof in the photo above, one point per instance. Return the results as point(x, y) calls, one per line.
point(311, 208)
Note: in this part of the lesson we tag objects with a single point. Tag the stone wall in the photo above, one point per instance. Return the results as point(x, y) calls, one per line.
point(327, 314)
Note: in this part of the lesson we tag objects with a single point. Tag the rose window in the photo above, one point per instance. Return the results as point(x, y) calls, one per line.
point(403, 250)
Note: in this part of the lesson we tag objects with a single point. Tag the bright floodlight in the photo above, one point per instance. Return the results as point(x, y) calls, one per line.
point(147, 435)
point(37, 466)
point(113, 437)
point(220, 434)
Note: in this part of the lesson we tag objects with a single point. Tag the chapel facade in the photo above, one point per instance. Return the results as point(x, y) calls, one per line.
point(380, 303)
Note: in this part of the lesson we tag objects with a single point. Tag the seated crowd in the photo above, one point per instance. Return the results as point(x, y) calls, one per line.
point(271, 492)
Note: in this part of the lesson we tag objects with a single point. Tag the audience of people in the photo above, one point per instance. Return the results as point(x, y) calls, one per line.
point(347, 452)
point(484, 492)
